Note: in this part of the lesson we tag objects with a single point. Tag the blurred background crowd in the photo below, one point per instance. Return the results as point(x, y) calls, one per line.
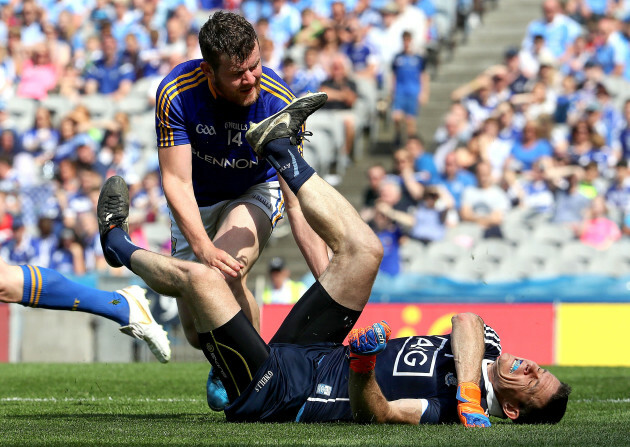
point(532, 149)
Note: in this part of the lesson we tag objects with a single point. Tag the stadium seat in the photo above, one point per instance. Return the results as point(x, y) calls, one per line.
point(410, 251)
point(492, 250)
point(446, 251)
point(22, 111)
point(101, 107)
point(552, 233)
point(132, 105)
point(578, 251)
point(464, 232)
point(59, 105)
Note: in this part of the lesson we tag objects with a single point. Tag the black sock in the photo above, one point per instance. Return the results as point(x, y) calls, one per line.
point(118, 244)
point(289, 163)
point(235, 351)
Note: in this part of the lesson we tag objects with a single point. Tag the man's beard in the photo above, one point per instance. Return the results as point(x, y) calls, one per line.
point(236, 97)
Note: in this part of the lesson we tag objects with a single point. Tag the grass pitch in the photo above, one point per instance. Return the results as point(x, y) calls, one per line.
point(150, 404)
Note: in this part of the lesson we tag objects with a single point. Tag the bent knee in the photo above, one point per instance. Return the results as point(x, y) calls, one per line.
point(466, 317)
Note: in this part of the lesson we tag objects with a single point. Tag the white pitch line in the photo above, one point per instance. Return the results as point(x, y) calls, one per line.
point(607, 401)
point(94, 399)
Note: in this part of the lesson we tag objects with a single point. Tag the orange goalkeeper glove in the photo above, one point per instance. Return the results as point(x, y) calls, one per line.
point(365, 344)
point(469, 406)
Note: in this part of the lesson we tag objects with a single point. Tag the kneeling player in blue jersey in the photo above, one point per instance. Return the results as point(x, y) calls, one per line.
point(304, 373)
point(33, 286)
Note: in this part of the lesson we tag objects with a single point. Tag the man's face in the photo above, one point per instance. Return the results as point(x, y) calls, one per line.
point(520, 381)
point(238, 83)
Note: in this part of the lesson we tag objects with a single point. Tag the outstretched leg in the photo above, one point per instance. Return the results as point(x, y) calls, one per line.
point(34, 286)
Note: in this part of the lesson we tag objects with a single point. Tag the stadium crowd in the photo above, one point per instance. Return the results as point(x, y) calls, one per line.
point(545, 132)
point(540, 140)
point(77, 92)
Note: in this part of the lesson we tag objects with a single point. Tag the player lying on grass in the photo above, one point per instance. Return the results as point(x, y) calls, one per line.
point(34, 286)
point(302, 375)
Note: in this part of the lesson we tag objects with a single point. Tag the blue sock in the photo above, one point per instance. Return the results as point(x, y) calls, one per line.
point(48, 289)
point(289, 163)
point(118, 244)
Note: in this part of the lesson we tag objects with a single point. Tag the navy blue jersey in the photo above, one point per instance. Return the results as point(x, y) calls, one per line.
point(418, 367)
point(188, 111)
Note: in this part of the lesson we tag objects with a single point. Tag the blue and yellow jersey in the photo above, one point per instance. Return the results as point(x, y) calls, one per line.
point(188, 111)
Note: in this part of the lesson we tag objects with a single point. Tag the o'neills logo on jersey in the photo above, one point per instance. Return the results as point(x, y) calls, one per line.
point(202, 129)
point(228, 163)
point(236, 126)
point(262, 382)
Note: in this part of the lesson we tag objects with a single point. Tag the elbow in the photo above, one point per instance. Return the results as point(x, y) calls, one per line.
point(466, 318)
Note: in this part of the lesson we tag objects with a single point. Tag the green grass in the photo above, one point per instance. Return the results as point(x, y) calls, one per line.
point(151, 404)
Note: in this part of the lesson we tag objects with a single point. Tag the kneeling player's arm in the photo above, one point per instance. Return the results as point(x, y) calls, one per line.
point(369, 405)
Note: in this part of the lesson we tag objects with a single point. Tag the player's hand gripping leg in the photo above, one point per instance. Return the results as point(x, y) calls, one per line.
point(469, 408)
point(365, 344)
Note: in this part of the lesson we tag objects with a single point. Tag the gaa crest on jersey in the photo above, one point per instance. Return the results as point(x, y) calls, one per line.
point(417, 357)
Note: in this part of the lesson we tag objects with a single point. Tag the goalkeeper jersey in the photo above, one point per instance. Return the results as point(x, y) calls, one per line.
point(310, 383)
point(189, 111)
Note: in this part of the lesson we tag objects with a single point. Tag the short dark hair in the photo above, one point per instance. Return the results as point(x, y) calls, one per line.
point(226, 33)
point(551, 413)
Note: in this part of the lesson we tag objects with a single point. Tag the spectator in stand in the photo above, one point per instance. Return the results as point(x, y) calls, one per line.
point(492, 148)
point(39, 75)
point(342, 94)
point(423, 163)
point(47, 240)
point(376, 175)
point(570, 203)
point(328, 48)
point(449, 138)
point(515, 78)
point(611, 51)
point(404, 173)
point(618, 194)
point(537, 195)
point(391, 236)
point(455, 179)
point(108, 75)
point(624, 134)
point(575, 61)
point(592, 184)
point(284, 22)
point(6, 220)
point(558, 30)
point(368, 16)
point(597, 230)
point(149, 197)
point(41, 140)
point(410, 88)
point(610, 121)
point(68, 258)
point(281, 289)
point(9, 180)
point(485, 204)
point(365, 62)
point(311, 74)
point(87, 230)
point(566, 99)
point(531, 59)
point(310, 29)
point(588, 146)
point(426, 222)
point(529, 150)
point(31, 29)
point(19, 249)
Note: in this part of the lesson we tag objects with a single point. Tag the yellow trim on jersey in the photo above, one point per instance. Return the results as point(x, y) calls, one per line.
point(170, 140)
point(33, 284)
point(179, 78)
point(166, 95)
point(39, 285)
point(281, 88)
point(274, 93)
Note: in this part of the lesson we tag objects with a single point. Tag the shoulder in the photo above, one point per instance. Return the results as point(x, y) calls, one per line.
point(184, 74)
point(274, 89)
